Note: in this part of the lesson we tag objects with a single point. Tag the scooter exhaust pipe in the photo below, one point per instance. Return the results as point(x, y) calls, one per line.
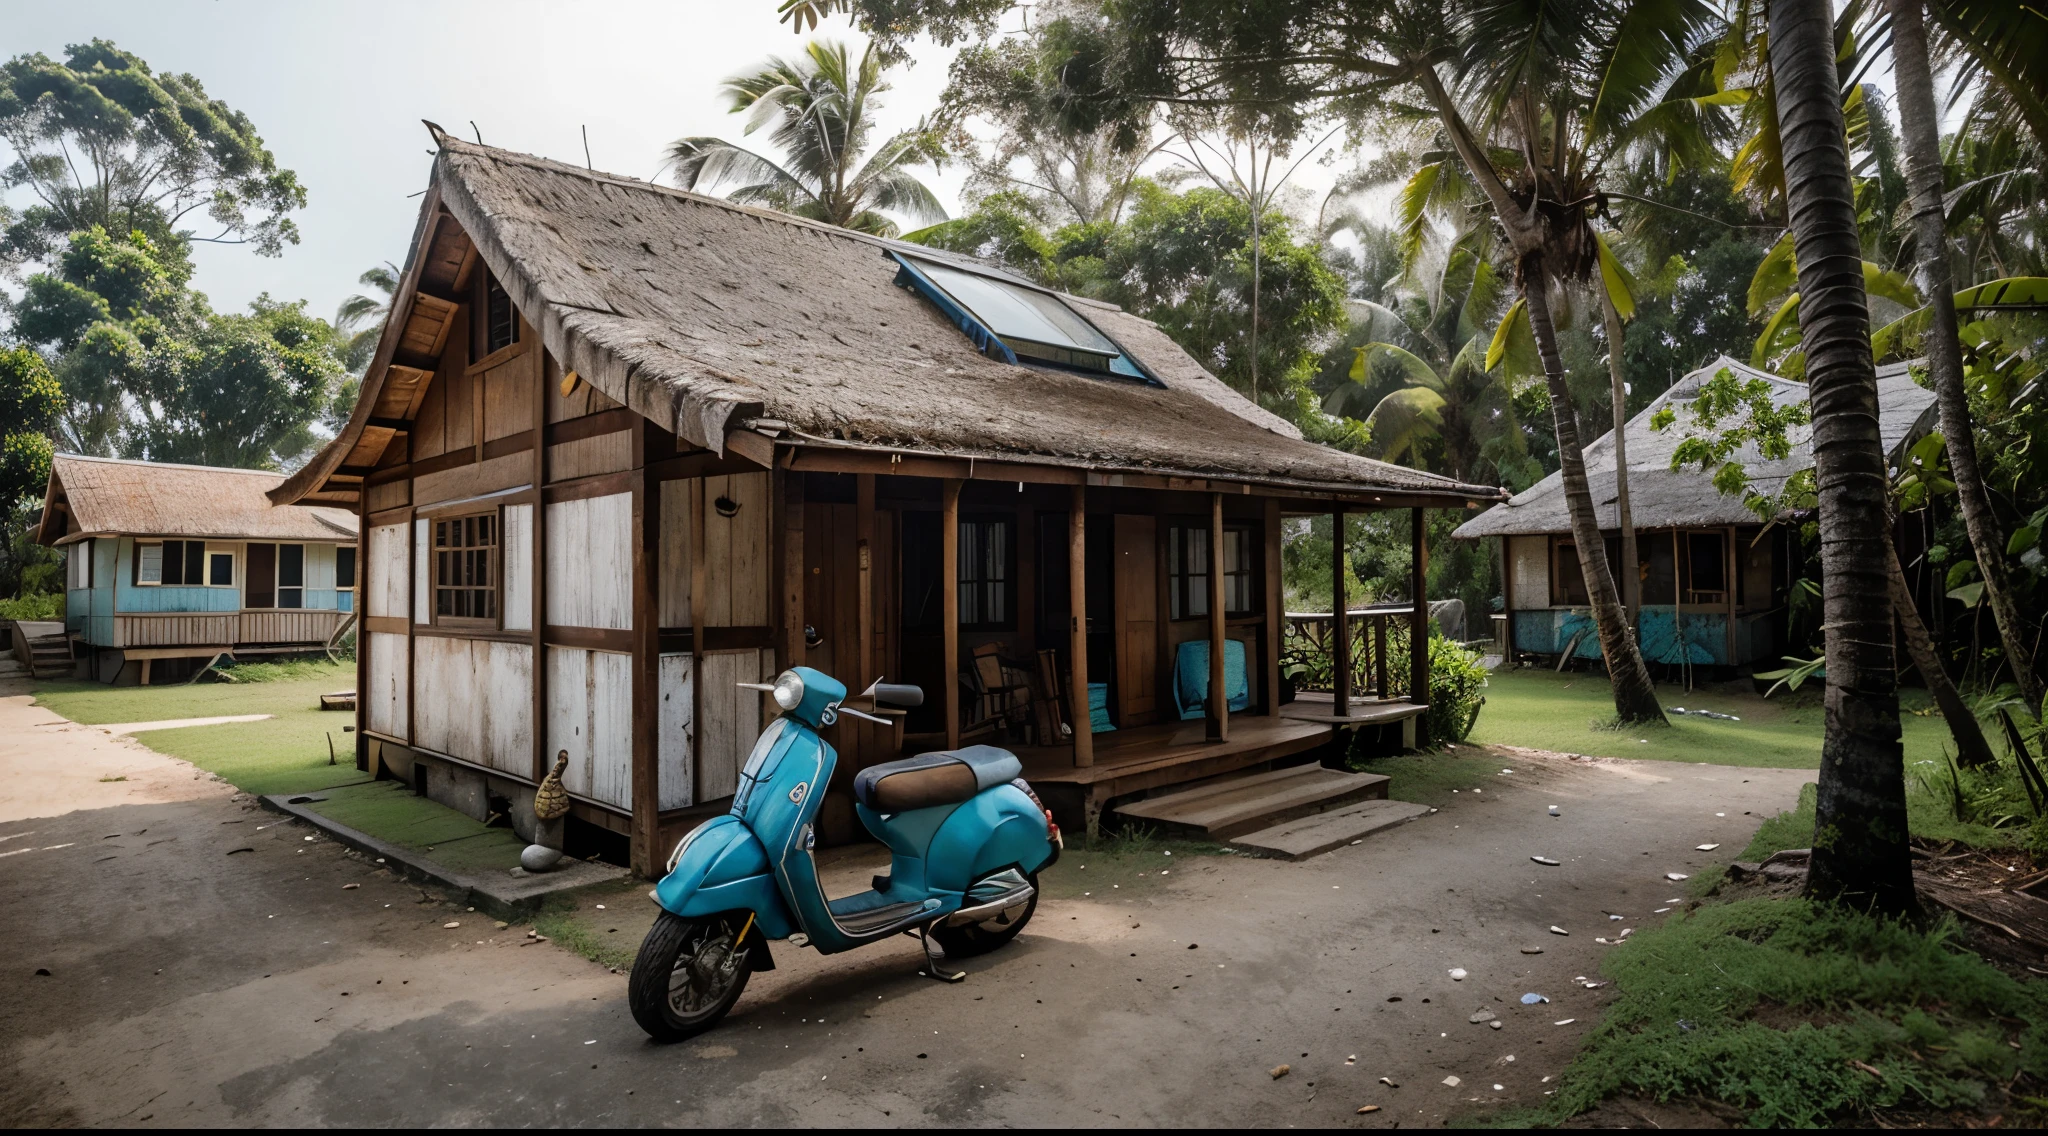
point(993, 907)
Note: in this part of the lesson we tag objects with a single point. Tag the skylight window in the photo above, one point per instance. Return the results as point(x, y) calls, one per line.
point(1008, 320)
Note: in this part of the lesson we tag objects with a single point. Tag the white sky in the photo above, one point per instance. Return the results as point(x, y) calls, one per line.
point(338, 92)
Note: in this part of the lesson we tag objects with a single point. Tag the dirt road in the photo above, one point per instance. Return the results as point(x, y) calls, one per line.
point(209, 965)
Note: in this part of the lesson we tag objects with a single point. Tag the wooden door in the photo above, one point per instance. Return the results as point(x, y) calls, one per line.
point(1137, 613)
point(260, 589)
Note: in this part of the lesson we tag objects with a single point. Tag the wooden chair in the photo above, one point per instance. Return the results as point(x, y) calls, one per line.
point(1001, 692)
point(1051, 724)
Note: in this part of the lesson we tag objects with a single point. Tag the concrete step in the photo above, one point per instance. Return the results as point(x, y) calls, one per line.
point(1231, 806)
point(1325, 831)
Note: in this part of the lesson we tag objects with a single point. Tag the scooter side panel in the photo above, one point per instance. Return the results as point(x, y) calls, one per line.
point(999, 827)
point(724, 868)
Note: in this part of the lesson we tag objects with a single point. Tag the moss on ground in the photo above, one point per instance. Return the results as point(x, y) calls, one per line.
point(1122, 864)
point(1571, 713)
point(1804, 1015)
point(389, 810)
point(1430, 778)
point(604, 923)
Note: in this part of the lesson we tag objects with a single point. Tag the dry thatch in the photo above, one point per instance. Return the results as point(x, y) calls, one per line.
point(109, 497)
point(1662, 498)
point(706, 317)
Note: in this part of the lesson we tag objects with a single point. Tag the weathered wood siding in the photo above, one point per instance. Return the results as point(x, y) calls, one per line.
point(423, 571)
point(673, 573)
point(1529, 571)
point(590, 562)
point(389, 495)
point(732, 717)
point(600, 453)
point(590, 714)
point(389, 567)
point(516, 568)
point(677, 735)
point(178, 630)
point(736, 552)
point(288, 626)
point(386, 694)
point(474, 701)
point(474, 479)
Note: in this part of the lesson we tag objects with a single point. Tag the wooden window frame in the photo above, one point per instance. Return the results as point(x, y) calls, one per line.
point(437, 527)
point(1002, 587)
point(481, 345)
point(135, 565)
point(353, 568)
point(234, 568)
point(1186, 590)
point(278, 585)
point(1248, 570)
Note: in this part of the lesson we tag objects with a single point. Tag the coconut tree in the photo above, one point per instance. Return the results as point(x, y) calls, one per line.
point(1921, 123)
point(1860, 854)
point(360, 318)
point(819, 110)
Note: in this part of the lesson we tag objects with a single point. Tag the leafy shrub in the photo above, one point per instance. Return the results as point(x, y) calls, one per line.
point(1456, 681)
point(48, 607)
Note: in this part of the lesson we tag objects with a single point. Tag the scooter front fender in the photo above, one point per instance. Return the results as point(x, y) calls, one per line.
point(723, 867)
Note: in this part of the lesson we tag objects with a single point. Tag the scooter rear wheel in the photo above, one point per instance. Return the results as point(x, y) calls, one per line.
point(970, 939)
point(688, 974)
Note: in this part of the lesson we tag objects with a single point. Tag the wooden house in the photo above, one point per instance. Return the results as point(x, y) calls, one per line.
point(1709, 591)
point(170, 566)
point(623, 446)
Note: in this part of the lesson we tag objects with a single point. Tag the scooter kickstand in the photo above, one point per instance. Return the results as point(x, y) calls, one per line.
point(934, 956)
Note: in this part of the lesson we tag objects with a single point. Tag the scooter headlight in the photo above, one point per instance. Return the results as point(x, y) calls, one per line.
point(789, 690)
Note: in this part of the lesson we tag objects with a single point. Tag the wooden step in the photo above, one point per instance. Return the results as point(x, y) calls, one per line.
point(1231, 806)
point(1325, 831)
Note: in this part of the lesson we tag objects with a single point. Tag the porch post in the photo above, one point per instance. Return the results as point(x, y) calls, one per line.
point(646, 688)
point(792, 505)
point(949, 588)
point(1276, 618)
point(1340, 619)
point(1728, 578)
point(1219, 694)
point(1077, 590)
point(864, 537)
point(1418, 626)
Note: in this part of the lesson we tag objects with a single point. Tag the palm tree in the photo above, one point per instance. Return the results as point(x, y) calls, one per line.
point(820, 111)
point(1862, 800)
point(360, 318)
point(1921, 123)
point(1430, 337)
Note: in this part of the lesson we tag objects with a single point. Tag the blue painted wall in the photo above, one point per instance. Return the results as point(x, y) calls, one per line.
point(1696, 637)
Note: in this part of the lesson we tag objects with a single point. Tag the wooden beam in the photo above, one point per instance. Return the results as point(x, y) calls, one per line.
point(700, 577)
point(1219, 693)
point(1340, 618)
point(1729, 579)
point(792, 544)
point(949, 588)
point(1418, 627)
point(864, 538)
point(361, 606)
point(1275, 600)
point(646, 786)
point(542, 760)
point(1077, 588)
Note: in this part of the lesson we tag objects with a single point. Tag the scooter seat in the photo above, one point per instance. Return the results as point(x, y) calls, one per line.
point(942, 777)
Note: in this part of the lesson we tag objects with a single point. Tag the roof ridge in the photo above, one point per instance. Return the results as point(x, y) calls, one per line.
point(171, 465)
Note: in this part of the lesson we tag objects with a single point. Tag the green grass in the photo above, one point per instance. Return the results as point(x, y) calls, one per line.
point(390, 811)
point(286, 754)
point(1766, 1004)
point(1429, 778)
point(610, 937)
point(1570, 713)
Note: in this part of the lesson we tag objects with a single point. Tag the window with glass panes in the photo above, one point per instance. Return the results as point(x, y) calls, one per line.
point(985, 574)
point(1187, 571)
point(465, 563)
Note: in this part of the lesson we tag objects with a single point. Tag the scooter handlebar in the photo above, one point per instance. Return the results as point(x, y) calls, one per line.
point(898, 694)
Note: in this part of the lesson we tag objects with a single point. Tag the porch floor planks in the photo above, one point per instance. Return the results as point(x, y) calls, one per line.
point(1315, 706)
point(1140, 752)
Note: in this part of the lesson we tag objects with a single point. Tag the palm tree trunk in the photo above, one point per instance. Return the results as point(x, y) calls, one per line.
point(1860, 855)
point(1635, 698)
point(1920, 123)
point(1971, 748)
point(1631, 570)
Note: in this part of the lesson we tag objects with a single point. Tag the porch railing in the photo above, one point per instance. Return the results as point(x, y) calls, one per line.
point(1378, 633)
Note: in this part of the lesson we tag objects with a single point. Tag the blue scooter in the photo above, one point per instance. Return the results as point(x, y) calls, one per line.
point(967, 838)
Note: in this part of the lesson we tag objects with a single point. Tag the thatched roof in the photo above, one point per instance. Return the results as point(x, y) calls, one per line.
point(709, 317)
point(1660, 497)
point(110, 497)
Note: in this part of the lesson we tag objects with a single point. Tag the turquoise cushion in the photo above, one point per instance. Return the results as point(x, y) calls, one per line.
point(1191, 676)
point(1098, 708)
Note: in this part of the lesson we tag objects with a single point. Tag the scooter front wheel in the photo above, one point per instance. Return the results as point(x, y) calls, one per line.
point(689, 973)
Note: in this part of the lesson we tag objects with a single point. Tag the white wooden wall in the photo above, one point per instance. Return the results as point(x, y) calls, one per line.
point(388, 567)
point(677, 733)
point(516, 568)
point(590, 714)
point(736, 552)
point(386, 694)
point(1529, 571)
point(732, 717)
point(423, 570)
point(590, 562)
point(475, 699)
